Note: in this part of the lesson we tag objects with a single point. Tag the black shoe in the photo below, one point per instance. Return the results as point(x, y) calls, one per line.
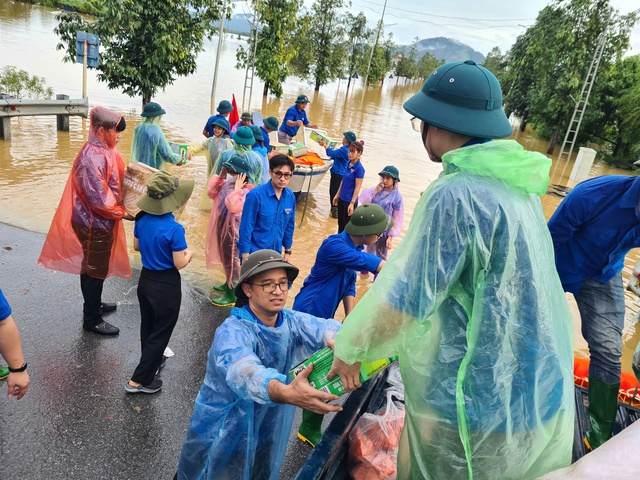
point(108, 307)
point(153, 387)
point(103, 328)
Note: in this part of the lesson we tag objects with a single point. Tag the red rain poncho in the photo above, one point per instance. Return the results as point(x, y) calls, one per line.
point(91, 203)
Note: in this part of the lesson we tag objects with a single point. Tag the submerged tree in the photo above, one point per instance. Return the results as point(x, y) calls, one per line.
point(358, 34)
point(146, 44)
point(19, 84)
point(408, 66)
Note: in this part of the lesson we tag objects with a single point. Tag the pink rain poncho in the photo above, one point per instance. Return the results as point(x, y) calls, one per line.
point(91, 208)
point(221, 251)
point(392, 204)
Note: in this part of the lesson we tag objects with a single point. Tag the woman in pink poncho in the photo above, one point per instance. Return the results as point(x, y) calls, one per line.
point(228, 191)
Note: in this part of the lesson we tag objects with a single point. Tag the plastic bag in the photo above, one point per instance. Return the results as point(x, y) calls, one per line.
point(374, 441)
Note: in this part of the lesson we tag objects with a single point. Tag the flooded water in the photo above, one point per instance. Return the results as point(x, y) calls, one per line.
point(35, 164)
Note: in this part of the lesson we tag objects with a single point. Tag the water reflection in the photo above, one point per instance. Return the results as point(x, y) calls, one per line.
point(35, 165)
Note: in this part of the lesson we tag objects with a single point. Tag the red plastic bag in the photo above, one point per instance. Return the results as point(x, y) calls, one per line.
point(374, 441)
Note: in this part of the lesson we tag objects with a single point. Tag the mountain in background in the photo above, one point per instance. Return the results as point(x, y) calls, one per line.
point(445, 49)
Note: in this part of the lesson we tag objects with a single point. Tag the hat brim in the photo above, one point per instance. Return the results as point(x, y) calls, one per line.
point(465, 121)
point(220, 126)
point(270, 125)
point(292, 274)
point(153, 114)
point(389, 174)
point(242, 140)
point(374, 229)
point(225, 110)
point(168, 204)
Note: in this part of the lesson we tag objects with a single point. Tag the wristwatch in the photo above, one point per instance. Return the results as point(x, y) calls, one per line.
point(18, 370)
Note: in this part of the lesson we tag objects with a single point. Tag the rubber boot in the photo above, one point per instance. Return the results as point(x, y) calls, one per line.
point(228, 297)
point(603, 405)
point(310, 430)
point(4, 372)
point(220, 288)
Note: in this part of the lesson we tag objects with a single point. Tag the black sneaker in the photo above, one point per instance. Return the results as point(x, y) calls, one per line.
point(153, 387)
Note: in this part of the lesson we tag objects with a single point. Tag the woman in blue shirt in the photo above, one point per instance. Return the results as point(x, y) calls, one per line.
point(347, 197)
point(340, 157)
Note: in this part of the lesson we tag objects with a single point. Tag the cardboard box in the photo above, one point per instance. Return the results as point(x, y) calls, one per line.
point(134, 185)
point(297, 150)
point(280, 148)
point(322, 361)
point(318, 137)
point(180, 149)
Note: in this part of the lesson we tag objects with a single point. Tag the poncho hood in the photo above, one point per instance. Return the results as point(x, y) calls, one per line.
point(505, 160)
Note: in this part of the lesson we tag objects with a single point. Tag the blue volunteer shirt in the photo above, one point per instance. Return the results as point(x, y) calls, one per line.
point(159, 236)
point(5, 309)
point(266, 221)
point(209, 125)
point(333, 276)
point(594, 228)
point(349, 180)
point(294, 114)
point(255, 317)
point(340, 158)
point(266, 139)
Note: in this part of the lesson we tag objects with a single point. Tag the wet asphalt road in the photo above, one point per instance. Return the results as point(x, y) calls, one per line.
point(76, 421)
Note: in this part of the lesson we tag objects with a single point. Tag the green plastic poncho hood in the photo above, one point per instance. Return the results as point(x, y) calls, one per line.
point(472, 303)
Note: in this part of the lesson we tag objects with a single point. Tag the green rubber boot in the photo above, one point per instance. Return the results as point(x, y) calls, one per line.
point(220, 288)
point(310, 430)
point(603, 405)
point(227, 299)
point(4, 372)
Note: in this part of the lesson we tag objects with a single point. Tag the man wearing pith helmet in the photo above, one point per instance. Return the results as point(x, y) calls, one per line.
point(471, 301)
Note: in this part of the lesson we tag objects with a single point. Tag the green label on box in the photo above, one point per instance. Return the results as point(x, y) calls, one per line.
point(180, 149)
point(322, 361)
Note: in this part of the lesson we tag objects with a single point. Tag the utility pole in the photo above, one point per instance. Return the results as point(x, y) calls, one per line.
point(215, 71)
point(375, 44)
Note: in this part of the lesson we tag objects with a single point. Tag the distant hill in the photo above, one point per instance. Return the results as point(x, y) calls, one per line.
point(239, 23)
point(445, 49)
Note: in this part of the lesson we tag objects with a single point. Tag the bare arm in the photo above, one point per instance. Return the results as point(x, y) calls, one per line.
point(11, 350)
point(181, 259)
point(136, 244)
point(349, 302)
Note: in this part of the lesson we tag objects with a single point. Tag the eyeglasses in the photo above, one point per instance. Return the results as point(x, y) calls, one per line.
point(416, 124)
point(280, 174)
point(271, 287)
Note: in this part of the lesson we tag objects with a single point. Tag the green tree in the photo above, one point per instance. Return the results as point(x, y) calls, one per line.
point(408, 66)
point(145, 44)
point(427, 64)
point(358, 34)
point(496, 63)
point(19, 84)
point(382, 60)
point(275, 48)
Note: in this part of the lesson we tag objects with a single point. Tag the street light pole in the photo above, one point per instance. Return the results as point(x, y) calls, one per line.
point(375, 44)
point(215, 71)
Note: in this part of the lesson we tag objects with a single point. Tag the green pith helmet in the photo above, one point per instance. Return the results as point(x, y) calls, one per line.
point(222, 123)
point(271, 123)
point(464, 98)
point(246, 116)
point(257, 133)
point(390, 171)
point(237, 164)
point(368, 219)
point(350, 136)
point(244, 136)
point(165, 193)
point(302, 99)
point(152, 109)
point(261, 261)
point(224, 106)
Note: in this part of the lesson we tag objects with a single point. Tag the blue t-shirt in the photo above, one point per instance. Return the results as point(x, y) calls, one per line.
point(349, 180)
point(278, 320)
point(333, 276)
point(5, 309)
point(266, 139)
point(209, 125)
point(159, 236)
point(293, 114)
point(340, 158)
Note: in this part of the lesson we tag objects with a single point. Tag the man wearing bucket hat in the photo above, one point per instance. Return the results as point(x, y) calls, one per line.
point(161, 241)
point(340, 157)
point(243, 414)
point(471, 300)
point(246, 120)
point(149, 145)
point(243, 141)
point(224, 109)
point(295, 118)
point(333, 280)
point(269, 124)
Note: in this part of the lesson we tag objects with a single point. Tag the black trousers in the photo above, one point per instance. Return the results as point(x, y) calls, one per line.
point(343, 215)
point(334, 185)
point(92, 294)
point(160, 295)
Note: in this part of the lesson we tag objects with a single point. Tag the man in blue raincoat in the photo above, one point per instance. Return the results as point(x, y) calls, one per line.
point(471, 300)
point(244, 411)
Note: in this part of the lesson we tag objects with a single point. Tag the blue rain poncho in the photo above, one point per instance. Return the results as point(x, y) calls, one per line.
point(236, 431)
point(472, 303)
point(150, 146)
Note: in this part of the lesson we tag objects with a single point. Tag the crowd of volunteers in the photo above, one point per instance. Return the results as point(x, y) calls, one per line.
point(472, 300)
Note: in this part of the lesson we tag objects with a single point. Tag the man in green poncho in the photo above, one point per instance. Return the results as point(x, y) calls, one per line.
point(149, 145)
point(471, 300)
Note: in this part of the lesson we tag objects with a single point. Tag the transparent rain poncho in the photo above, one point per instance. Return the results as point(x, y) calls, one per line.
point(150, 146)
point(472, 303)
point(92, 200)
point(236, 431)
point(255, 163)
point(213, 147)
point(392, 204)
point(220, 247)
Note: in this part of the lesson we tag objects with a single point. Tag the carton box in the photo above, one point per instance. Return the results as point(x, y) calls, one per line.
point(134, 185)
point(280, 148)
point(322, 361)
point(318, 137)
point(297, 150)
point(180, 149)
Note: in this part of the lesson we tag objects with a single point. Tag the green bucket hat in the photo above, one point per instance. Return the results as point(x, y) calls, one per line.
point(390, 171)
point(257, 133)
point(262, 261)
point(271, 123)
point(224, 106)
point(368, 219)
point(222, 123)
point(152, 109)
point(165, 193)
point(237, 164)
point(246, 116)
point(350, 136)
point(244, 136)
point(464, 98)
point(302, 99)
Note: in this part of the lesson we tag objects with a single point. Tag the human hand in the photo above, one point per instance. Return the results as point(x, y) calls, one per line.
point(190, 155)
point(350, 374)
point(244, 257)
point(335, 201)
point(302, 394)
point(189, 254)
point(286, 257)
point(17, 384)
point(350, 209)
point(389, 242)
point(131, 218)
point(300, 124)
point(322, 143)
point(379, 188)
point(240, 180)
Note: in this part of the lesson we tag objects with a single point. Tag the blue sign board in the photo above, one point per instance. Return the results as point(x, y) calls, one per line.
point(93, 45)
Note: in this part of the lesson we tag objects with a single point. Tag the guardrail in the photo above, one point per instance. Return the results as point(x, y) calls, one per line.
point(62, 108)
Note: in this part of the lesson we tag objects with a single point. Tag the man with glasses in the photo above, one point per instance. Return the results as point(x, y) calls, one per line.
point(244, 411)
point(333, 280)
point(471, 300)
